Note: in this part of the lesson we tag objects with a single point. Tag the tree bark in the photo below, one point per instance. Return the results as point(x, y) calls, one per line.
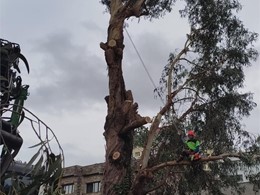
point(122, 117)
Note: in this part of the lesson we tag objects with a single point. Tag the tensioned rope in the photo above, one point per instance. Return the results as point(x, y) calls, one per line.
point(146, 70)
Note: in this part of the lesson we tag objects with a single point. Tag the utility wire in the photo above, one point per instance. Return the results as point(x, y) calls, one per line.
point(146, 70)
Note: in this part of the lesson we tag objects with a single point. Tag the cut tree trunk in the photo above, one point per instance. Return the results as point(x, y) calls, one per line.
point(122, 117)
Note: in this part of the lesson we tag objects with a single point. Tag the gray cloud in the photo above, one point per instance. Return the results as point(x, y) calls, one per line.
point(154, 50)
point(68, 76)
point(75, 155)
point(93, 26)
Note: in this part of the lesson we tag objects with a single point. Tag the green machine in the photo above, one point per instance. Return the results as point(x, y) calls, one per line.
point(12, 97)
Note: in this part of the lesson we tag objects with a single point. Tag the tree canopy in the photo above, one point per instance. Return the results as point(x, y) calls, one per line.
point(202, 83)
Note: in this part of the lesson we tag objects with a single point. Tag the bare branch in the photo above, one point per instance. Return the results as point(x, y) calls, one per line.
point(103, 46)
point(151, 135)
point(153, 132)
point(190, 62)
point(173, 62)
point(155, 125)
point(183, 99)
point(135, 124)
point(207, 159)
point(189, 110)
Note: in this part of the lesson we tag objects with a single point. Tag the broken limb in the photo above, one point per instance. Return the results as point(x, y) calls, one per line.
point(135, 124)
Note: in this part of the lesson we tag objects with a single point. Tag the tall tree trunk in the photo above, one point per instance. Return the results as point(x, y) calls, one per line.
point(117, 159)
point(122, 117)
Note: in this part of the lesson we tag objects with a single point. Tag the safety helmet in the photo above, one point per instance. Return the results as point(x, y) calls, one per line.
point(191, 133)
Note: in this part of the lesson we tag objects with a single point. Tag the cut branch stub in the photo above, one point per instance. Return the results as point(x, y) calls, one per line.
point(116, 155)
point(103, 46)
point(129, 95)
point(148, 119)
point(107, 99)
point(112, 43)
point(135, 124)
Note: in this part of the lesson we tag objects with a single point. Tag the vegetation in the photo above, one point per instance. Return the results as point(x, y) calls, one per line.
point(45, 168)
point(204, 78)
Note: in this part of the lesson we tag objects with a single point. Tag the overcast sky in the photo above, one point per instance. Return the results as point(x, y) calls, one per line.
point(68, 77)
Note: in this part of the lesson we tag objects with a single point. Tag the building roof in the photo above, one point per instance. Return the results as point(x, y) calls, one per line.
point(93, 169)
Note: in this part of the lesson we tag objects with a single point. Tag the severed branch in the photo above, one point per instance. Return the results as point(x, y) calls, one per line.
point(129, 108)
point(135, 124)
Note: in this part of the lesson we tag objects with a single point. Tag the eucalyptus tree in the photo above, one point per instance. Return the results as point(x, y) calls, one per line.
point(204, 77)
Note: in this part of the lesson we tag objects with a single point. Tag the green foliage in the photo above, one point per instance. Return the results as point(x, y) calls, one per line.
point(140, 135)
point(125, 186)
point(44, 172)
point(207, 78)
point(43, 169)
point(150, 9)
point(211, 75)
point(255, 179)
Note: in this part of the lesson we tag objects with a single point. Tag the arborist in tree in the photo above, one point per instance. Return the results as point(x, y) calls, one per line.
point(192, 151)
